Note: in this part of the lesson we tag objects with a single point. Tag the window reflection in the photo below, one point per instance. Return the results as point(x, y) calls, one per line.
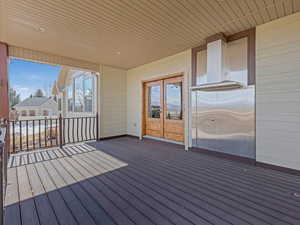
point(80, 93)
point(70, 98)
point(174, 101)
point(78, 100)
point(154, 102)
point(88, 94)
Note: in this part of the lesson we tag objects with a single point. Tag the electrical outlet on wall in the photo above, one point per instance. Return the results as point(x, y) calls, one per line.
point(134, 124)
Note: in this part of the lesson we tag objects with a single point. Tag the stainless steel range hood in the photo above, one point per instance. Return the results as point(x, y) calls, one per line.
point(219, 86)
point(217, 74)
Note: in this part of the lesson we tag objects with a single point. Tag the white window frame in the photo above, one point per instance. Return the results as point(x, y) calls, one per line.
point(86, 75)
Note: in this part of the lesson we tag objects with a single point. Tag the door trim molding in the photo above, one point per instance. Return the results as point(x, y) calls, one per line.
point(157, 78)
point(163, 77)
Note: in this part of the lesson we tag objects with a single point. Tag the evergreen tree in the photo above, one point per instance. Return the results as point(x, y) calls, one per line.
point(39, 93)
point(13, 98)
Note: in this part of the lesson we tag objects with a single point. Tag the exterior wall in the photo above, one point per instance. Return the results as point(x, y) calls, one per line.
point(278, 92)
point(112, 94)
point(173, 64)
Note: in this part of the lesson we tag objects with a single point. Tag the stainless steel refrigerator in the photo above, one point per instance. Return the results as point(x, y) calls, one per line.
point(223, 119)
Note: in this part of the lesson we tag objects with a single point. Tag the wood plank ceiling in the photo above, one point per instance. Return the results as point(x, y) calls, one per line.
point(128, 33)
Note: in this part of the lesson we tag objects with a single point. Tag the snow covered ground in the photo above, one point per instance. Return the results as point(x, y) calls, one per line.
point(30, 128)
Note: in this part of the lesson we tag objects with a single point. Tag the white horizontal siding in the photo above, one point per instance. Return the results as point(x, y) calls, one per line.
point(278, 92)
point(112, 102)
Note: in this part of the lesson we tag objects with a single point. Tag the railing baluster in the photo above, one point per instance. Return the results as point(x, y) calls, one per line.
point(90, 119)
point(56, 133)
point(60, 132)
point(45, 132)
point(94, 125)
point(63, 130)
point(27, 135)
point(73, 130)
point(50, 132)
point(21, 143)
point(82, 129)
point(14, 138)
point(86, 129)
point(77, 121)
point(69, 141)
point(40, 143)
point(33, 135)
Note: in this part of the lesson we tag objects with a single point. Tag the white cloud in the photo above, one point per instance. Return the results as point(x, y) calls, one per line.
point(23, 91)
point(34, 77)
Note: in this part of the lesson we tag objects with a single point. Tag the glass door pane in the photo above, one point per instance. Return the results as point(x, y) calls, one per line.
point(154, 107)
point(173, 101)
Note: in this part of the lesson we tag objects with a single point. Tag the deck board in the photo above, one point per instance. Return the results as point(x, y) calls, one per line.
point(43, 205)
point(87, 200)
point(126, 181)
point(129, 210)
point(148, 214)
point(28, 209)
point(62, 212)
point(62, 183)
point(105, 196)
point(96, 210)
point(12, 214)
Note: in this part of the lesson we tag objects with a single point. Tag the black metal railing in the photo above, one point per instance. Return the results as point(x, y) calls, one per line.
point(35, 134)
point(79, 129)
point(4, 151)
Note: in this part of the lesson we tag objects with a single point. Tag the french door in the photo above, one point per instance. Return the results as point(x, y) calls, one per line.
point(163, 108)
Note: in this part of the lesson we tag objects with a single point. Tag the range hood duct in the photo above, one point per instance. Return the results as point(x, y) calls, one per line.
point(216, 61)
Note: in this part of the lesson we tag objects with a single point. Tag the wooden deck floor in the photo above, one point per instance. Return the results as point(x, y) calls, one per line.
point(126, 181)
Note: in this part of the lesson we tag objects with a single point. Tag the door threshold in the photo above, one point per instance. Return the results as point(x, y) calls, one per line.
point(163, 139)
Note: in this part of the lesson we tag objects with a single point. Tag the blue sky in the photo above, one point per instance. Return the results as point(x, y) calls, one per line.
point(26, 77)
